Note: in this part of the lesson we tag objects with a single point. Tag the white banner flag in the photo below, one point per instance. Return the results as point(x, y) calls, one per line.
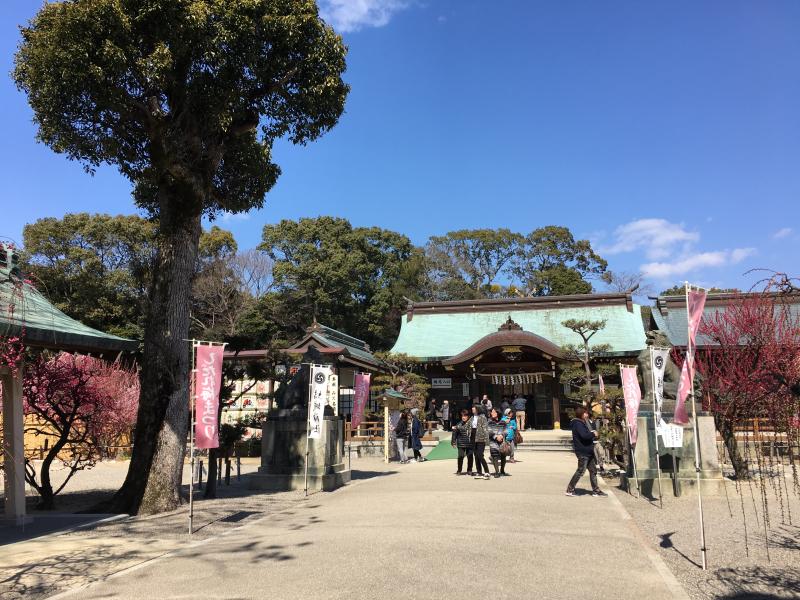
point(317, 400)
point(658, 362)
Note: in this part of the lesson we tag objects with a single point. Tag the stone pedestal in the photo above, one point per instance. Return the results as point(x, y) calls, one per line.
point(283, 450)
point(685, 479)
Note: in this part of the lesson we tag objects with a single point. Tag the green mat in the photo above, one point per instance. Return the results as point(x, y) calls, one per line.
point(444, 451)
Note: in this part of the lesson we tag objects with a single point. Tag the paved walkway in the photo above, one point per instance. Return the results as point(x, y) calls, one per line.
point(417, 531)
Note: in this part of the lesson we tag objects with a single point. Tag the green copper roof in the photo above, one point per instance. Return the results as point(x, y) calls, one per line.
point(670, 315)
point(432, 334)
point(25, 311)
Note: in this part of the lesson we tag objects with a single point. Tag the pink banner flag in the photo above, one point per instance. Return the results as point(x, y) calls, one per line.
point(695, 302)
point(681, 417)
point(633, 397)
point(360, 398)
point(602, 385)
point(207, 382)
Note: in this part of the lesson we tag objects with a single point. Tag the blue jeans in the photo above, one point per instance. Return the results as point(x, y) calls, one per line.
point(584, 462)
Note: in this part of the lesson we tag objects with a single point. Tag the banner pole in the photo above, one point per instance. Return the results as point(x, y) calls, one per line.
point(191, 439)
point(308, 420)
point(655, 428)
point(690, 357)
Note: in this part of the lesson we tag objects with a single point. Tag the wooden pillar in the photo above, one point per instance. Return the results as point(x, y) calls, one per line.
point(556, 404)
point(13, 445)
point(386, 433)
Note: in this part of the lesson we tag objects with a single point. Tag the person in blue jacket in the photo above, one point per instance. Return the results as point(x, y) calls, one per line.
point(583, 445)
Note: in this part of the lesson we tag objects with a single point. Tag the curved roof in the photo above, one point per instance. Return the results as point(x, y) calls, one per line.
point(441, 330)
point(506, 338)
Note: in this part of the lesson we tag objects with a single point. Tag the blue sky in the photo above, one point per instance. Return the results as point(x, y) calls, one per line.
point(668, 133)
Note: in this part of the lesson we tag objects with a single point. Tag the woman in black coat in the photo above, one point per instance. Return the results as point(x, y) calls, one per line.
point(416, 435)
point(462, 439)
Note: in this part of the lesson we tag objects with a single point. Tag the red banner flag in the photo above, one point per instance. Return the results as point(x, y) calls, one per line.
point(633, 397)
point(360, 398)
point(681, 417)
point(207, 383)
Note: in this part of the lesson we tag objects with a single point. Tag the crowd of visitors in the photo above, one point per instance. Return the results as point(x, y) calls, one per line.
point(408, 434)
point(475, 431)
point(498, 428)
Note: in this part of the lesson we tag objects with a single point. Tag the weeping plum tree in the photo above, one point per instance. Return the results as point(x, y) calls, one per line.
point(185, 98)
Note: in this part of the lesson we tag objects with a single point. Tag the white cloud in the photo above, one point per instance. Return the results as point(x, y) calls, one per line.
point(782, 233)
point(352, 15)
point(228, 217)
point(694, 262)
point(656, 237)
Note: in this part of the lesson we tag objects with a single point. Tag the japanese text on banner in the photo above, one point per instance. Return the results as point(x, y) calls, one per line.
point(316, 403)
point(207, 382)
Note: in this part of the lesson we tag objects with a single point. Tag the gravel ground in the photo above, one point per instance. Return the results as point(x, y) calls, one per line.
point(739, 564)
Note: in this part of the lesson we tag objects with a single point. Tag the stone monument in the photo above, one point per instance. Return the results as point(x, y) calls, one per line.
point(677, 464)
point(283, 442)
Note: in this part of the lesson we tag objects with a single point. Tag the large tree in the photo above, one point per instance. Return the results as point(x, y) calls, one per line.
point(185, 98)
point(467, 263)
point(349, 278)
point(551, 262)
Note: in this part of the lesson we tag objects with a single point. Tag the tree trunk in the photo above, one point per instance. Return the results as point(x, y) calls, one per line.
point(211, 482)
point(154, 477)
point(45, 489)
point(738, 462)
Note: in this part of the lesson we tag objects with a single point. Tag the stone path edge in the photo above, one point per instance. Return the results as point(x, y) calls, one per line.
point(675, 588)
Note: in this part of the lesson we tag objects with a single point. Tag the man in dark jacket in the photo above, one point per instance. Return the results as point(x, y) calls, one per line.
point(583, 445)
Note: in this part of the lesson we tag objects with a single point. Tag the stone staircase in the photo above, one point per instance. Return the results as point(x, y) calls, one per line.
point(554, 440)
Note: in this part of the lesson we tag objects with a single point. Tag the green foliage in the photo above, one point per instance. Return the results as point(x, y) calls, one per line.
point(579, 373)
point(350, 278)
point(403, 376)
point(173, 92)
point(466, 263)
point(680, 290)
point(217, 244)
point(552, 262)
point(95, 268)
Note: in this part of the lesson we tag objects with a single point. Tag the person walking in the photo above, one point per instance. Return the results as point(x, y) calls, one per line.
point(401, 434)
point(594, 427)
point(481, 430)
point(417, 432)
point(583, 445)
point(511, 428)
point(497, 434)
point(462, 439)
point(519, 405)
point(430, 416)
point(504, 405)
point(446, 415)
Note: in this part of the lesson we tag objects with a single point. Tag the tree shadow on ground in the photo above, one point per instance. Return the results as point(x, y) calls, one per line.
point(47, 575)
point(359, 475)
point(753, 583)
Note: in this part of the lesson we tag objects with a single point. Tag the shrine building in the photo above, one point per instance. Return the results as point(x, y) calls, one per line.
point(512, 346)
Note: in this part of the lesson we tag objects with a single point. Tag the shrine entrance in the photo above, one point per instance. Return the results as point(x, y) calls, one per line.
point(508, 364)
